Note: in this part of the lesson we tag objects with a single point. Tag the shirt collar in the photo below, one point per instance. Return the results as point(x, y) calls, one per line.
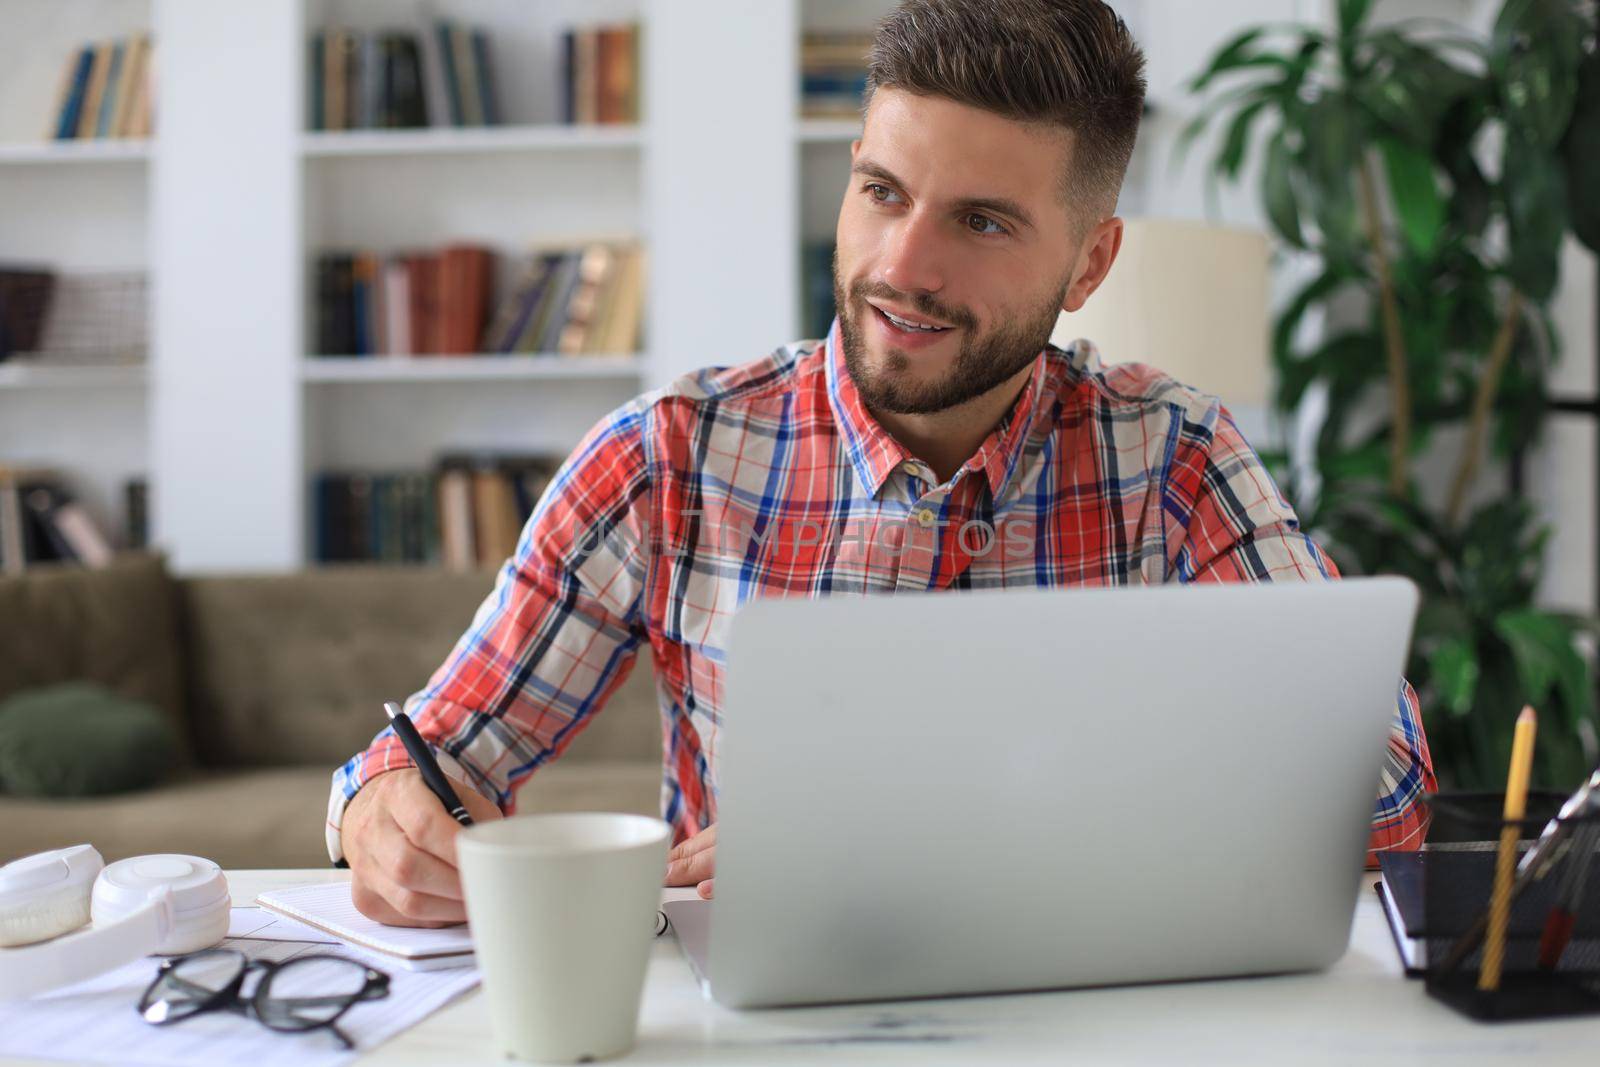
point(875, 453)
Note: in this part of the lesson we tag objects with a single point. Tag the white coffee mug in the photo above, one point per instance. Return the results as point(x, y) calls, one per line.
point(562, 909)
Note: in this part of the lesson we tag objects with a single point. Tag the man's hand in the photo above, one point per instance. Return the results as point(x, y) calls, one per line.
point(401, 847)
point(693, 861)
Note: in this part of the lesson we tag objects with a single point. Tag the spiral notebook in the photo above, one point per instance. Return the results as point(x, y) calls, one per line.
point(327, 907)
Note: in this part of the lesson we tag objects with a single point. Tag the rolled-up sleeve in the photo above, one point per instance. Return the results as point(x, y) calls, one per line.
point(1241, 529)
point(557, 635)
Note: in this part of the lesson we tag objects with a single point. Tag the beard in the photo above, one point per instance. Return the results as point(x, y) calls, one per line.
point(985, 361)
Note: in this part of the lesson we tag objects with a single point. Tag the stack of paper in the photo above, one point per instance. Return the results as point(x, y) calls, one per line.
point(97, 1021)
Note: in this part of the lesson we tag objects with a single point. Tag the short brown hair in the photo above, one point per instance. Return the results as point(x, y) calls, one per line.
point(1068, 63)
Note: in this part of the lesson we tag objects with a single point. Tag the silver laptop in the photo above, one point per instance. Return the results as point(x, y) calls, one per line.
point(976, 792)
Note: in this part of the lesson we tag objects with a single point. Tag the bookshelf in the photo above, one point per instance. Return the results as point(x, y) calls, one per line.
point(74, 207)
point(21, 376)
point(481, 368)
point(23, 153)
point(334, 143)
point(509, 188)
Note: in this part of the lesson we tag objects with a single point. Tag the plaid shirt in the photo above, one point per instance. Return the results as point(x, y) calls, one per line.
point(771, 478)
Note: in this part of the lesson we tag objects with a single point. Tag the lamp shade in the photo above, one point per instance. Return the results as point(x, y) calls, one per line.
point(1188, 298)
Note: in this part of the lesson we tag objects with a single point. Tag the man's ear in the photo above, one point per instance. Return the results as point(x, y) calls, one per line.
point(1095, 256)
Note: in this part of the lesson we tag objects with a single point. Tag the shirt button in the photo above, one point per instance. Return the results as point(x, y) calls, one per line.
point(925, 517)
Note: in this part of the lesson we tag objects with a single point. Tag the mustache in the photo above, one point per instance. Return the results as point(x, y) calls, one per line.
point(922, 302)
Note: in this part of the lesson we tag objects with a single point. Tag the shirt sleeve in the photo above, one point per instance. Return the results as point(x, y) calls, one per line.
point(1239, 528)
point(557, 635)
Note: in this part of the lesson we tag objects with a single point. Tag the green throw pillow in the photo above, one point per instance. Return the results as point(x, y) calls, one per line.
point(79, 739)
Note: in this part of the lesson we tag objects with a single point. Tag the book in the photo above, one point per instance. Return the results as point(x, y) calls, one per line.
point(447, 65)
point(140, 111)
point(1402, 888)
point(517, 310)
point(409, 104)
point(457, 547)
point(315, 61)
point(585, 77)
point(624, 314)
point(496, 525)
point(397, 307)
point(328, 908)
point(134, 74)
point(72, 109)
point(464, 278)
point(136, 501)
point(98, 77)
point(485, 73)
point(615, 75)
point(14, 538)
point(569, 72)
point(372, 91)
point(108, 100)
point(338, 46)
point(594, 271)
point(466, 67)
point(435, 84)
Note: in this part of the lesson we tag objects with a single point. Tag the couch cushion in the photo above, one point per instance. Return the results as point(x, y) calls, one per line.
point(116, 625)
point(272, 817)
point(79, 739)
point(295, 668)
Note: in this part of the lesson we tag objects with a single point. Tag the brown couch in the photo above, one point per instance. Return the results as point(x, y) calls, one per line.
point(273, 682)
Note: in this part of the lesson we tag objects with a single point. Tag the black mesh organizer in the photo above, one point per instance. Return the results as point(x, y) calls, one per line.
point(1458, 876)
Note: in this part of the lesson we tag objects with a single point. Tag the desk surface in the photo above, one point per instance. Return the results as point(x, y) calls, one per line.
point(1362, 1010)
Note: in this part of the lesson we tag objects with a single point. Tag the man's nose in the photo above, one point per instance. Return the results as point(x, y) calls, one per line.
point(915, 257)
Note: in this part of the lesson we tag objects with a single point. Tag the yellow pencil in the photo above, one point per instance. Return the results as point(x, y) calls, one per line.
point(1494, 944)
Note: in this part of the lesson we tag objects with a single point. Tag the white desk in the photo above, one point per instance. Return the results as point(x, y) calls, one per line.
point(1361, 1011)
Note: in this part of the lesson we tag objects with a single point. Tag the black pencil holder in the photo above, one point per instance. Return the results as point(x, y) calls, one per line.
point(1458, 879)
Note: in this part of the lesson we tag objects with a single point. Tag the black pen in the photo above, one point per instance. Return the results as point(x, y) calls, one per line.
point(423, 758)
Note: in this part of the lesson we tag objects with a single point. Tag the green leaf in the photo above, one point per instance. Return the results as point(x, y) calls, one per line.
point(1211, 110)
point(1231, 157)
point(1409, 86)
point(1277, 191)
point(1536, 217)
point(1534, 53)
point(1351, 14)
point(1581, 153)
point(1369, 462)
point(1454, 673)
point(1229, 57)
point(1471, 198)
point(1416, 195)
point(1547, 661)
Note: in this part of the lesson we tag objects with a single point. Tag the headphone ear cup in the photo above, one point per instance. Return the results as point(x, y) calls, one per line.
point(46, 895)
point(40, 920)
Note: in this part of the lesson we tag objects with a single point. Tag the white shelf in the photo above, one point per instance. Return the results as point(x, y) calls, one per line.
point(483, 368)
point(323, 144)
point(21, 375)
point(829, 131)
point(121, 150)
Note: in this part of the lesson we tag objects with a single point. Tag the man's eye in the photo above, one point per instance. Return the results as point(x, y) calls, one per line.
point(880, 193)
point(977, 224)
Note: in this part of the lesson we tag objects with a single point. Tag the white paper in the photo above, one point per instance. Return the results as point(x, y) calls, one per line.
point(329, 908)
point(98, 1020)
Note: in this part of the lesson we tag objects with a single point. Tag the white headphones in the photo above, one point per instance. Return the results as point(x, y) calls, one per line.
point(141, 906)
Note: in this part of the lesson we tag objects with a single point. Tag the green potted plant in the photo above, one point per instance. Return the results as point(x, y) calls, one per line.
point(1431, 178)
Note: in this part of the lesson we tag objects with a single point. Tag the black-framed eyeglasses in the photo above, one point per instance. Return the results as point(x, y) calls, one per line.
point(305, 993)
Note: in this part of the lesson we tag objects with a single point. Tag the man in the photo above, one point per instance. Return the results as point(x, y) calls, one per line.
point(933, 441)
